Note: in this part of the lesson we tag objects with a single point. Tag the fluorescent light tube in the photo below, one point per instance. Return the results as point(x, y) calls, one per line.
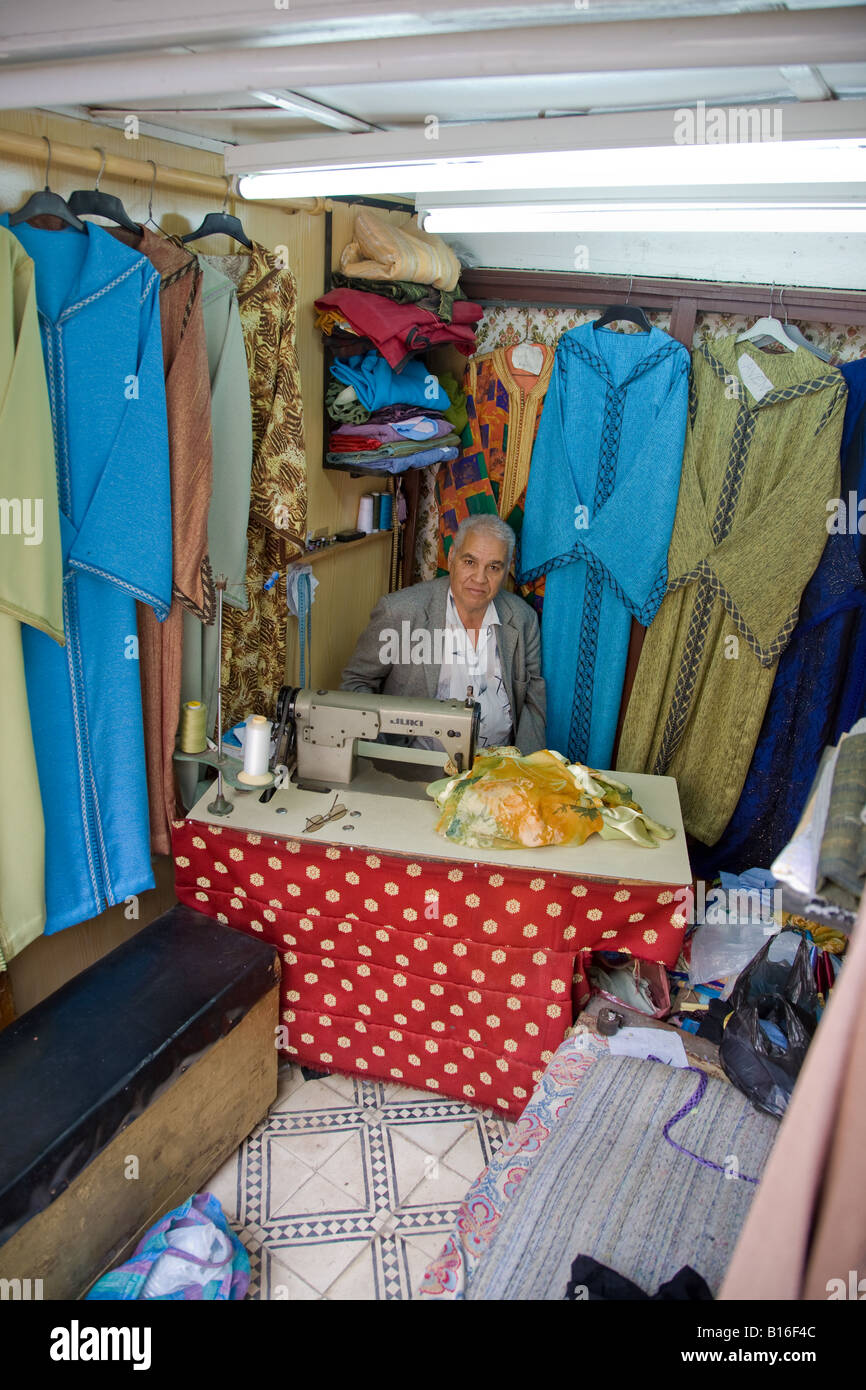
point(759, 162)
point(800, 218)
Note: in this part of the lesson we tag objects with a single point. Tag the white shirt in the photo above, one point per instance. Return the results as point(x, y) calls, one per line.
point(463, 665)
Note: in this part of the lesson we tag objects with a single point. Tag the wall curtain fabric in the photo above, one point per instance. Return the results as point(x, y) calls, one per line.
point(254, 642)
point(188, 408)
point(31, 590)
point(503, 407)
point(820, 685)
point(599, 510)
point(749, 532)
point(99, 315)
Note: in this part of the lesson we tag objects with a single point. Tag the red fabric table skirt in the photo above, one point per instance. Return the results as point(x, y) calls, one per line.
point(458, 978)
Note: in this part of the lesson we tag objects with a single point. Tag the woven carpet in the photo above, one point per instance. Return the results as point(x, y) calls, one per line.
point(610, 1186)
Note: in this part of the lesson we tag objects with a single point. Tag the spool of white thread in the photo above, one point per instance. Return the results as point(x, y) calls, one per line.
point(365, 513)
point(257, 748)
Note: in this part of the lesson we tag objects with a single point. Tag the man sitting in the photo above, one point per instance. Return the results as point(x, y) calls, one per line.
point(436, 639)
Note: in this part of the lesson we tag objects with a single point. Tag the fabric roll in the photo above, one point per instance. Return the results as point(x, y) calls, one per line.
point(439, 302)
point(381, 251)
point(842, 860)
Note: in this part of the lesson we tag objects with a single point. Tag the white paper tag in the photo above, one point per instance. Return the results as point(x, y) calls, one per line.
point(757, 382)
point(666, 1045)
point(528, 357)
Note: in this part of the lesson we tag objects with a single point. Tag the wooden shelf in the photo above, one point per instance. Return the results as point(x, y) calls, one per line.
point(339, 547)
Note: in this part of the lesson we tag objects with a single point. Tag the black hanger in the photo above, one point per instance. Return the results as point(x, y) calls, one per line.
point(47, 203)
point(220, 224)
point(631, 312)
point(102, 204)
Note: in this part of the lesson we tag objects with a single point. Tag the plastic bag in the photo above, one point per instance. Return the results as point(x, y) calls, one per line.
point(781, 969)
point(757, 1066)
point(506, 800)
point(191, 1253)
point(775, 1012)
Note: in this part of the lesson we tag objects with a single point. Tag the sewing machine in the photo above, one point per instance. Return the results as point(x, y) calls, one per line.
point(328, 730)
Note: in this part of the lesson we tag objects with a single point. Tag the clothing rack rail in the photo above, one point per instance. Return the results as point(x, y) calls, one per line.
point(87, 159)
point(685, 298)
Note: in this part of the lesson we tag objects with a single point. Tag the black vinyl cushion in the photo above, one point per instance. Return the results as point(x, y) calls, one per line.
point(88, 1060)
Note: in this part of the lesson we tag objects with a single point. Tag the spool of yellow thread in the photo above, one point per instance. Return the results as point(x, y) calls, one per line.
point(193, 727)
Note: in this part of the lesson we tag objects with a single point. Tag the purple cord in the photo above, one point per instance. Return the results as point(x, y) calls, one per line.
point(690, 1104)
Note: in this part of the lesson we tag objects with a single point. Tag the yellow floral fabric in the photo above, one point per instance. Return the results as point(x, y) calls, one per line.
point(507, 801)
point(254, 642)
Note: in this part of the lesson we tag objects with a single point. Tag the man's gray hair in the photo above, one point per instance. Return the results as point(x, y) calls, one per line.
point(493, 526)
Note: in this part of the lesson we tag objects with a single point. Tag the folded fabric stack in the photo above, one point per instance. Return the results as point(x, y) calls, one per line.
point(396, 297)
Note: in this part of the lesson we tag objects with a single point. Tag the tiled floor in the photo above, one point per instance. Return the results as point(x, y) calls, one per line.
point(348, 1188)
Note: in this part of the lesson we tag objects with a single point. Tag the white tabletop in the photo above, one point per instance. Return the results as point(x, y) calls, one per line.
point(397, 817)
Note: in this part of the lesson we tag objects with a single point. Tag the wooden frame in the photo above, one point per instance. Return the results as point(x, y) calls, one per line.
point(685, 298)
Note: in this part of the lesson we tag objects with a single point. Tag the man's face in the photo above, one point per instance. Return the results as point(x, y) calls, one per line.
point(477, 571)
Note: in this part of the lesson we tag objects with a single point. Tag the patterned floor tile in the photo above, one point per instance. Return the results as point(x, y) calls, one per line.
point(319, 1197)
point(346, 1169)
point(440, 1188)
point(321, 1264)
point(358, 1282)
point(284, 1173)
point(467, 1155)
point(434, 1138)
point(315, 1095)
point(349, 1187)
point(313, 1147)
point(279, 1283)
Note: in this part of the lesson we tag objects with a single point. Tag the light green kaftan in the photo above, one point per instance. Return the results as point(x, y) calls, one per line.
point(31, 589)
point(749, 531)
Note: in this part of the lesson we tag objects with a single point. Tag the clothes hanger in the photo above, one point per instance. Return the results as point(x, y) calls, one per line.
point(769, 327)
point(798, 336)
point(102, 204)
point(631, 312)
point(221, 224)
point(150, 220)
point(46, 203)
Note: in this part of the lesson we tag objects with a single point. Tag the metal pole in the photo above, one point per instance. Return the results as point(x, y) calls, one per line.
point(221, 806)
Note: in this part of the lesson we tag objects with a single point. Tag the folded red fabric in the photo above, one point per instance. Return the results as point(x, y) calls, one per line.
point(399, 330)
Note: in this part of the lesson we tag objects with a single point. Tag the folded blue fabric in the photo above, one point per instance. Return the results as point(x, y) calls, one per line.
point(376, 384)
point(401, 463)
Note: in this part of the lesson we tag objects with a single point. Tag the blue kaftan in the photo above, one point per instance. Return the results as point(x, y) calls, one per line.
point(599, 512)
point(820, 685)
point(98, 305)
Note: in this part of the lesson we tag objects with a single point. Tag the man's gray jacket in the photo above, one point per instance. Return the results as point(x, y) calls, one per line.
point(423, 607)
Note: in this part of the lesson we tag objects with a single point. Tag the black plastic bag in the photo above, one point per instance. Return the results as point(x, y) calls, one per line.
point(782, 970)
point(775, 1013)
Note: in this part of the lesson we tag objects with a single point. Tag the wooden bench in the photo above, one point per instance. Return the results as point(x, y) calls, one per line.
point(125, 1090)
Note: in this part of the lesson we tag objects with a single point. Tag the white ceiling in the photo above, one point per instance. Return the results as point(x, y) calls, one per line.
point(227, 72)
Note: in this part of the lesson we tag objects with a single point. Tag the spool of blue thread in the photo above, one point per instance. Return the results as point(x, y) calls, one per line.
point(386, 512)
